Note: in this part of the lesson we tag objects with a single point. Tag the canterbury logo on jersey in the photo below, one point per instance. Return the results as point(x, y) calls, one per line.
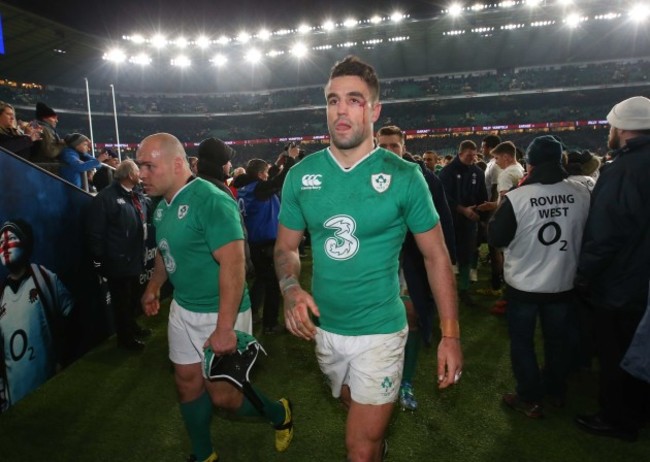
point(310, 181)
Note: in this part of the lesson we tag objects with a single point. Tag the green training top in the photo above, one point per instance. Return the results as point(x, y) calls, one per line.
point(199, 219)
point(357, 219)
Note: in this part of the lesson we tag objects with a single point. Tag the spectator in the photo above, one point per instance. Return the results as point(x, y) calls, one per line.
point(104, 176)
point(50, 145)
point(213, 163)
point(583, 167)
point(75, 159)
point(614, 269)
point(116, 232)
point(259, 202)
point(11, 137)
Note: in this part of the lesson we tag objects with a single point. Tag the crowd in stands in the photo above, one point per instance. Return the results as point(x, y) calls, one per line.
point(565, 76)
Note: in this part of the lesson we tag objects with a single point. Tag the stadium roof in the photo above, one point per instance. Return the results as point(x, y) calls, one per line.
point(428, 41)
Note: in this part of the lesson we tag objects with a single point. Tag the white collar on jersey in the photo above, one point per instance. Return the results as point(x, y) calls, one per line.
point(355, 164)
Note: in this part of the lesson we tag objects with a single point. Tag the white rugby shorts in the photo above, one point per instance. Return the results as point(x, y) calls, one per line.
point(188, 331)
point(371, 365)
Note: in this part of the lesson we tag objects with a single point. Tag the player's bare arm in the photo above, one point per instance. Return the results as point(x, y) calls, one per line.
point(232, 277)
point(443, 286)
point(151, 297)
point(297, 302)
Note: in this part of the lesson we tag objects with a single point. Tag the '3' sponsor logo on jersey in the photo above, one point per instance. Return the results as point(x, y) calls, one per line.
point(344, 245)
point(311, 181)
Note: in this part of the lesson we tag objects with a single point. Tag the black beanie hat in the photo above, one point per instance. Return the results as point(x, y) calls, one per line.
point(213, 154)
point(43, 111)
point(23, 231)
point(544, 149)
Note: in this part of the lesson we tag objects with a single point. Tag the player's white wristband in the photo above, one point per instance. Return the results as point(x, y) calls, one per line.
point(287, 283)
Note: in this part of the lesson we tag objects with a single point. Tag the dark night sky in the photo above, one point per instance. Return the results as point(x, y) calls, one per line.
point(111, 18)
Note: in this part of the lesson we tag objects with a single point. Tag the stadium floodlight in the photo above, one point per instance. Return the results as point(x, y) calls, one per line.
point(507, 4)
point(181, 42)
point(350, 22)
point(573, 20)
point(376, 19)
point(299, 50)
point(455, 9)
point(202, 42)
point(477, 7)
point(565, 2)
point(640, 12)
point(223, 40)
point(115, 55)
point(264, 34)
point(328, 25)
point(142, 59)
point(181, 61)
point(158, 41)
point(138, 39)
point(304, 28)
point(253, 56)
point(243, 37)
point(533, 3)
point(396, 16)
point(219, 60)
point(274, 53)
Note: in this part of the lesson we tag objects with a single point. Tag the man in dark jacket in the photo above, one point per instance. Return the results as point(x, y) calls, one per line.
point(116, 232)
point(464, 185)
point(420, 315)
point(614, 269)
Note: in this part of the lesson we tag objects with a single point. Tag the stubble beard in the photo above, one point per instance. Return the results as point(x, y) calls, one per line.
point(357, 138)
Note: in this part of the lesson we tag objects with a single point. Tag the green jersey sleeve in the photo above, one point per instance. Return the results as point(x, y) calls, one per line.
point(291, 214)
point(220, 221)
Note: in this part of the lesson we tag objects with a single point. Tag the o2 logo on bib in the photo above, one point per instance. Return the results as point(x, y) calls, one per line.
point(344, 245)
point(170, 263)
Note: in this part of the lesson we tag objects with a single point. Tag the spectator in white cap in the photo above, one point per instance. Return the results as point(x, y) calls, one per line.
point(614, 269)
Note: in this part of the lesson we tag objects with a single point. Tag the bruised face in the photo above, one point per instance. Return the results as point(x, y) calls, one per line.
point(351, 111)
point(11, 248)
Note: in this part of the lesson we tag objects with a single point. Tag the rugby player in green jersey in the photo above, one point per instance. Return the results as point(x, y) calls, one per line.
point(201, 250)
point(357, 202)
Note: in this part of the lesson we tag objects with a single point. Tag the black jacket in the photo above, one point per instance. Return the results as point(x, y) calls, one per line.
point(464, 184)
point(115, 232)
point(615, 256)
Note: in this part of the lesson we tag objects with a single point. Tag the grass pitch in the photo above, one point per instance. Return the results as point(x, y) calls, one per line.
point(113, 405)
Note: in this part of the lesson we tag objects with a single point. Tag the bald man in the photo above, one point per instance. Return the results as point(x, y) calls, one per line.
point(201, 250)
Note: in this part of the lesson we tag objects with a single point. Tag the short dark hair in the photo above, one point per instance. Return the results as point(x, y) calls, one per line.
point(353, 66)
point(255, 167)
point(389, 130)
point(507, 147)
point(467, 144)
point(491, 141)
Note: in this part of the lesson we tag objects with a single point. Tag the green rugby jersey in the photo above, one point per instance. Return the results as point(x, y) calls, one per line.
point(357, 219)
point(199, 220)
